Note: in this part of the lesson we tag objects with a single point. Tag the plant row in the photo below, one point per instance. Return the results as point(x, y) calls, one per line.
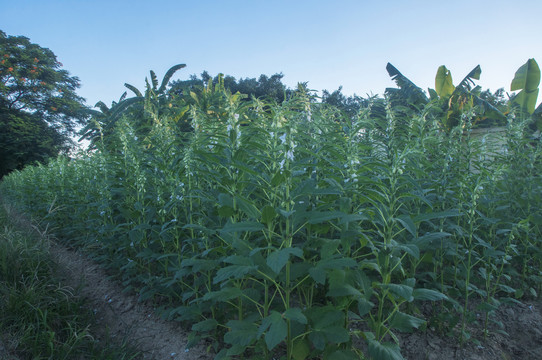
point(294, 230)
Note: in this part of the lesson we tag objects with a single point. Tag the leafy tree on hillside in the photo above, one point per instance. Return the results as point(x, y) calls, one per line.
point(39, 109)
point(349, 105)
point(270, 87)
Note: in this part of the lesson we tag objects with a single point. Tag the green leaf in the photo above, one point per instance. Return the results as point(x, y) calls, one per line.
point(444, 85)
point(408, 224)
point(342, 355)
point(225, 211)
point(278, 259)
point(318, 274)
point(435, 215)
point(168, 76)
point(326, 316)
point(336, 334)
point(338, 285)
point(428, 294)
point(205, 325)
point(278, 179)
point(268, 214)
point(527, 77)
point(526, 100)
point(295, 314)
point(242, 226)
point(154, 80)
point(225, 200)
point(364, 307)
point(411, 91)
point(317, 217)
point(134, 89)
point(276, 333)
point(241, 332)
point(384, 351)
point(404, 322)
point(276, 329)
point(411, 249)
point(342, 290)
point(234, 271)
point(403, 291)
point(318, 340)
point(224, 294)
point(248, 208)
point(337, 263)
point(465, 84)
point(301, 349)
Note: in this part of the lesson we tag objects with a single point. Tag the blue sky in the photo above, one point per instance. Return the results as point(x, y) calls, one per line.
point(327, 43)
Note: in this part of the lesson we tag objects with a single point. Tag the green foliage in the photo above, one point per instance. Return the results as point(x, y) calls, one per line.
point(452, 101)
point(44, 319)
point(39, 108)
point(526, 80)
point(295, 228)
point(268, 87)
point(143, 110)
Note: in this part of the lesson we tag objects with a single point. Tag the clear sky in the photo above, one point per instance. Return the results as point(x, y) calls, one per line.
point(326, 43)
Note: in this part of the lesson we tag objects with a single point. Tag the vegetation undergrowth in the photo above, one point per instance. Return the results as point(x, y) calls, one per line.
point(299, 230)
point(39, 317)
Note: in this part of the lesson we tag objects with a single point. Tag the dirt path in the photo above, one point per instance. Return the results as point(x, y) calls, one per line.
point(121, 314)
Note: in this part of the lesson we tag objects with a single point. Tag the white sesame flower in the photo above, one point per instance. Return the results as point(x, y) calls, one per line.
point(290, 155)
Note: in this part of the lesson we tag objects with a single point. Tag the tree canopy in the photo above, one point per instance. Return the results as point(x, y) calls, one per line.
point(39, 107)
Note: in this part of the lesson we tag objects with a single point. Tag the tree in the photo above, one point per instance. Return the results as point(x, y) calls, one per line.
point(349, 105)
point(270, 87)
point(38, 103)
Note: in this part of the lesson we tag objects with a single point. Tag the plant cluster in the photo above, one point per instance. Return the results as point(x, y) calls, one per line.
point(297, 230)
point(40, 318)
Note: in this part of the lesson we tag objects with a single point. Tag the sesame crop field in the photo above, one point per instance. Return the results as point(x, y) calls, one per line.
point(260, 229)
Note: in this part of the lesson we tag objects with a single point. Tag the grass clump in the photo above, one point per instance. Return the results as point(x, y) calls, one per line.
point(39, 317)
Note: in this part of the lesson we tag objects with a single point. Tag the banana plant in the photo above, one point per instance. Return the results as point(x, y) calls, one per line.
point(156, 100)
point(457, 99)
point(408, 92)
point(451, 100)
point(103, 121)
point(165, 81)
point(156, 103)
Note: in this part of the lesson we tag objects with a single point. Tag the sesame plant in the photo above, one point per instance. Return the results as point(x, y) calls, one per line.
point(295, 230)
